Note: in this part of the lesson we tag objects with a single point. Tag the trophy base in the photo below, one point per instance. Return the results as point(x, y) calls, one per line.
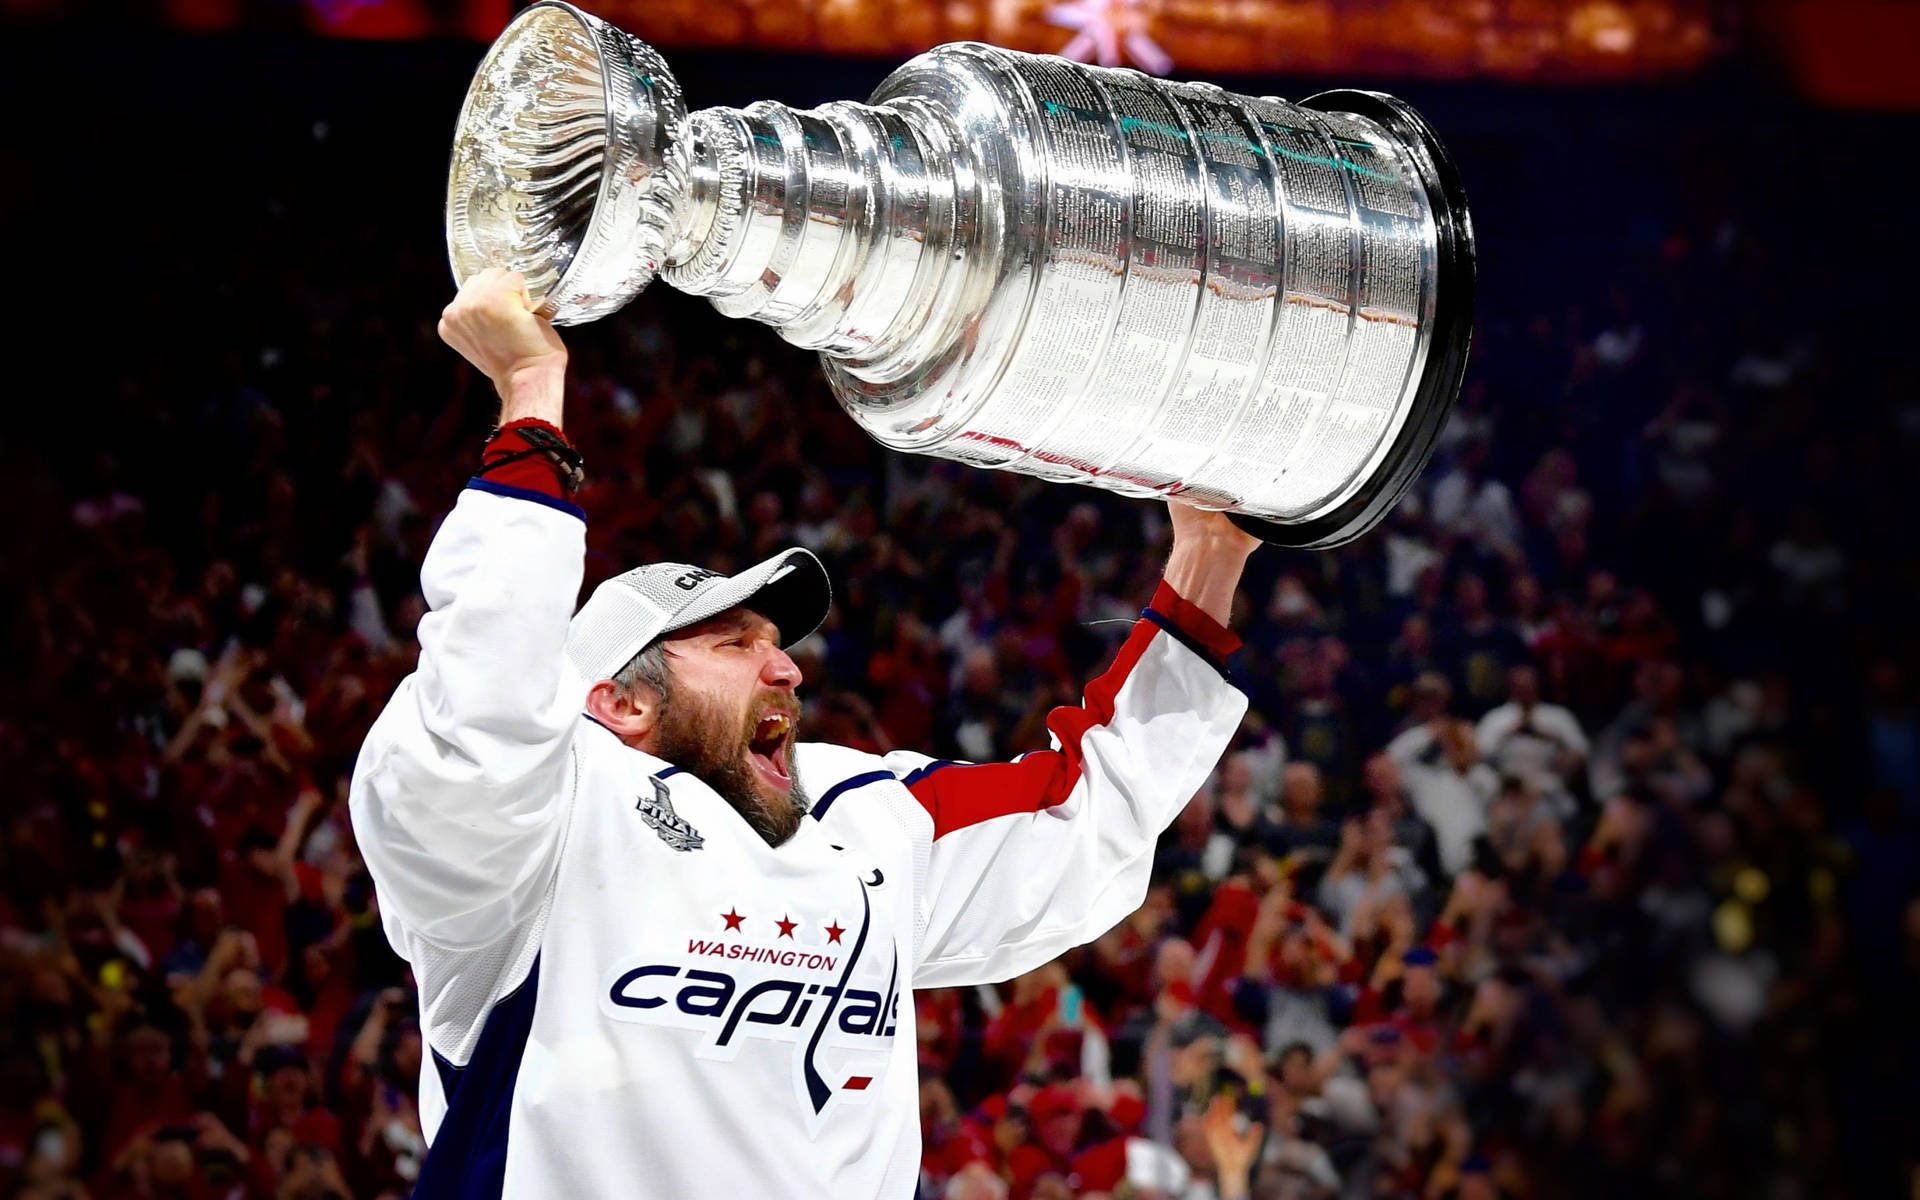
point(1452, 331)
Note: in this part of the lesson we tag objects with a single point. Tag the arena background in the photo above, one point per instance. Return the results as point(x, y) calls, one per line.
point(1678, 485)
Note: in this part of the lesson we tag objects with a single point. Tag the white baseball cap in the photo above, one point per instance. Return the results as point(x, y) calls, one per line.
point(629, 611)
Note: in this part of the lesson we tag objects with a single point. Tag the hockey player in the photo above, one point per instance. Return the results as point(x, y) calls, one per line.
point(662, 950)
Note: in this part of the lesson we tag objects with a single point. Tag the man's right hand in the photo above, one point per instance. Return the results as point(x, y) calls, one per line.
point(493, 326)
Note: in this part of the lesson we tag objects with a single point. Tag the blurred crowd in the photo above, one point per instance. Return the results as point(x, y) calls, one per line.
point(1568, 848)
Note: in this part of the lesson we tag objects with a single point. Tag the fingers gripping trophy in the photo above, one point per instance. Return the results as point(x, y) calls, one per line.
point(1015, 261)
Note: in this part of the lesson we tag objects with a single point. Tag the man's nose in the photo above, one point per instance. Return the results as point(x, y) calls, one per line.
point(779, 670)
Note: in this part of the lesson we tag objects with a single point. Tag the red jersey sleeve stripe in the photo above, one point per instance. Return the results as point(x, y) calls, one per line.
point(965, 794)
point(1215, 639)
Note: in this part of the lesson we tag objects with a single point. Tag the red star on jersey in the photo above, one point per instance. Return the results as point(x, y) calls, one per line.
point(834, 931)
point(732, 919)
point(786, 926)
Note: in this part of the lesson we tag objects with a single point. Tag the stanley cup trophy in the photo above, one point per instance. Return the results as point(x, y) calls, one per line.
point(1014, 260)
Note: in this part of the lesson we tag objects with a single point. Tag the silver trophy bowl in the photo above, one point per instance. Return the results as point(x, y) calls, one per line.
point(1013, 260)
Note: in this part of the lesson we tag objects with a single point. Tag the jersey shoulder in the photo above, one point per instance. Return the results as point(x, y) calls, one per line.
point(845, 784)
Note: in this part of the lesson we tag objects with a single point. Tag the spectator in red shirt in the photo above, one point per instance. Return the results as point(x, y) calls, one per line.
point(148, 1091)
point(1054, 1116)
point(287, 1100)
point(948, 1143)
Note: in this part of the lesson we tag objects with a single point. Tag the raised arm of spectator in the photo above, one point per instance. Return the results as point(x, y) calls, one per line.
point(1035, 856)
point(1410, 744)
point(1234, 1149)
point(287, 852)
point(1269, 922)
point(1351, 1043)
point(211, 711)
point(457, 797)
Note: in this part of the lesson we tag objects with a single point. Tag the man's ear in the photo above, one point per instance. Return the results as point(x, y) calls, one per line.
point(633, 716)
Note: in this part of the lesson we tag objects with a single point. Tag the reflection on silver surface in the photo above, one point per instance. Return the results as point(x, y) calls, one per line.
point(1013, 260)
point(566, 167)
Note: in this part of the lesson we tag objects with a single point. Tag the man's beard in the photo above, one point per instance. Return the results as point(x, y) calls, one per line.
point(699, 736)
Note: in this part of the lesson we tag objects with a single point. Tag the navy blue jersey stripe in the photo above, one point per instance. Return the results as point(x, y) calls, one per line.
point(520, 493)
point(915, 776)
point(1229, 670)
point(468, 1158)
point(845, 786)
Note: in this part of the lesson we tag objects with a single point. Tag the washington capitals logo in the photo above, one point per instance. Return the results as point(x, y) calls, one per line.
point(657, 811)
point(840, 1011)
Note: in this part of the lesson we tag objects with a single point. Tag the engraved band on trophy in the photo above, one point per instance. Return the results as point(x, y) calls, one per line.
point(1013, 260)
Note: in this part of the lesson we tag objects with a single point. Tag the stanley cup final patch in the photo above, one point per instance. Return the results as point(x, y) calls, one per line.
point(657, 811)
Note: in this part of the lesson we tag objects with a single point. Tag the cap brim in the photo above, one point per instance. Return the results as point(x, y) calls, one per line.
point(790, 589)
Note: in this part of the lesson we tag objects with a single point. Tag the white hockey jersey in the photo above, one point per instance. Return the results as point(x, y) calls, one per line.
point(625, 991)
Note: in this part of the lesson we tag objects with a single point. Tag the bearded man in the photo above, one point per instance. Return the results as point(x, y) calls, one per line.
point(662, 950)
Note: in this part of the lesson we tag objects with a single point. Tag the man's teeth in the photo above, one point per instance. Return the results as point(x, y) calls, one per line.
point(773, 725)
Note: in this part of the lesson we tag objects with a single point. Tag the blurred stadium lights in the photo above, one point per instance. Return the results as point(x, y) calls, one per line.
point(1844, 53)
point(1560, 40)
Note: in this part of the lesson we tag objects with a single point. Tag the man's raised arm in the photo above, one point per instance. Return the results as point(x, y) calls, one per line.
point(459, 795)
point(1035, 856)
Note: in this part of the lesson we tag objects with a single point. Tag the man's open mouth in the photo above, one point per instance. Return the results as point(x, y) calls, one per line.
point(768, 750)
